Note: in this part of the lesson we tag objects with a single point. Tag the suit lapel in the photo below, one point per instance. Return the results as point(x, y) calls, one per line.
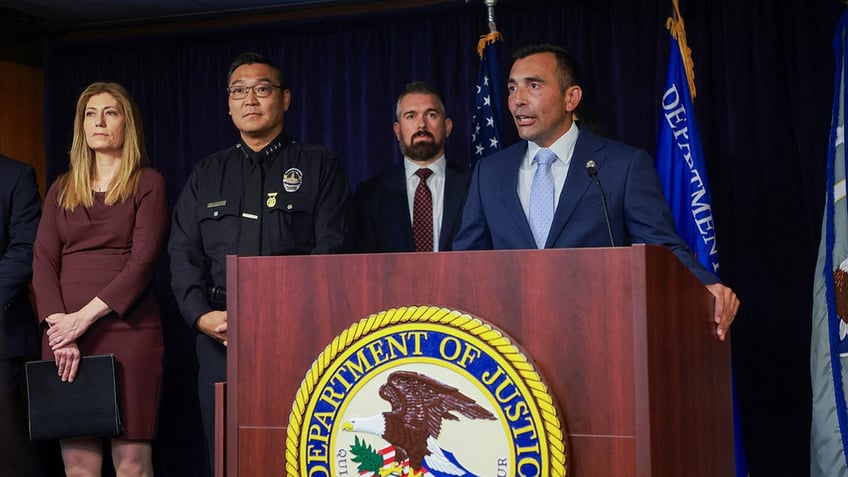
point(509, 195)
point(456, 187)
point(577, 182)
point(397, 206)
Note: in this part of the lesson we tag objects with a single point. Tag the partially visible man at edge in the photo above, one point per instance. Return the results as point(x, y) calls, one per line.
point(20, 210)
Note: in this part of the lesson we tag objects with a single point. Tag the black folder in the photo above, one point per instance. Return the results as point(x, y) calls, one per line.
point(86, 407)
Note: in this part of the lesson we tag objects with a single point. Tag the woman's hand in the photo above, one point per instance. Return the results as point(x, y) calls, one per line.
point(65, 328)
point(67, 361)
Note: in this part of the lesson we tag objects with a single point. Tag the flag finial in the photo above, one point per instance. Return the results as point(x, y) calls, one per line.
point(675, 25)
point(493, 34)
point(490, 6)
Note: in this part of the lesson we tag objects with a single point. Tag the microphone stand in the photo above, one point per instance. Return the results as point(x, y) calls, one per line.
point(593, 173)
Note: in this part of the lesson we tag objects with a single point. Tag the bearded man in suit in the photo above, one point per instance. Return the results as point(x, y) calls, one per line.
point(386, 203)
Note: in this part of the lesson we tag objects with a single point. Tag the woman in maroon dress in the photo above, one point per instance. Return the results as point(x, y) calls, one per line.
point(98, 243)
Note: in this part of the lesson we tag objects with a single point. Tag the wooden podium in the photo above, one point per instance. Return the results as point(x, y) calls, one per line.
point(623, 336)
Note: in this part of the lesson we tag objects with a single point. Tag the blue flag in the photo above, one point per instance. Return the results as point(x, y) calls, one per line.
point(485, 123)
point(829, 429)
point(680, 163)
point(683, 174)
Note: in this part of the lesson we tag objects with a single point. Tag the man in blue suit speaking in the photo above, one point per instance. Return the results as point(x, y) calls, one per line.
point(539, 193)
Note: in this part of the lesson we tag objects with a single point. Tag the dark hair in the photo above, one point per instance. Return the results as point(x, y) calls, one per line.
point(420, 87)
point(251, 58)
point(568, 69)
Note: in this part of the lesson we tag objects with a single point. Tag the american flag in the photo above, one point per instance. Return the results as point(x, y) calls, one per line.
point(486, 132)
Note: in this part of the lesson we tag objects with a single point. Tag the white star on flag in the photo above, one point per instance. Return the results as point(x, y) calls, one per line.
point(486, 138)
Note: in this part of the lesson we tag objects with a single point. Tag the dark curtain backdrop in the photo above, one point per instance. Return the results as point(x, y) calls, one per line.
point(764, 74)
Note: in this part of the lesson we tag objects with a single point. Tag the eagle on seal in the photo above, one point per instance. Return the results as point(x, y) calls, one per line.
point(419, 405)
point(840, 285)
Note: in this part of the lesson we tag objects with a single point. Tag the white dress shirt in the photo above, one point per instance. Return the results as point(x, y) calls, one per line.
point(564, 149)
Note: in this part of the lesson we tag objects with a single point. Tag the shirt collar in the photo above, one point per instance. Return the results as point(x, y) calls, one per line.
point(562, 147)
point(278, 143)
point(437, 167)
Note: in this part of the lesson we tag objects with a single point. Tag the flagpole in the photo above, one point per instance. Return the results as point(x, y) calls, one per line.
point(490, 6)
point(493, 35)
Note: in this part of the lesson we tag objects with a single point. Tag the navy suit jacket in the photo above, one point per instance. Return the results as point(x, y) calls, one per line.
point(494, 219)
point(20, 209)
point(383, 210)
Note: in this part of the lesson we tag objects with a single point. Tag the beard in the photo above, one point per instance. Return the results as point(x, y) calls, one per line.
point(421, 150)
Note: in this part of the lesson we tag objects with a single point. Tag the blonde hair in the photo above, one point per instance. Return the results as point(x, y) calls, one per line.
point(74, 187)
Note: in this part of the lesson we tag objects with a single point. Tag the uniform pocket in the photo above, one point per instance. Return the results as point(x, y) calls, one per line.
point(220, 224)
point(292, 216)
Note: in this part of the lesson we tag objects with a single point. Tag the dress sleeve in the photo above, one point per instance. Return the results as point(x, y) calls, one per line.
point(47, 260)
point(148, 240)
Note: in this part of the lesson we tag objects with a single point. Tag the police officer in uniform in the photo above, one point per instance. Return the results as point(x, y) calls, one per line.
point(267, 195)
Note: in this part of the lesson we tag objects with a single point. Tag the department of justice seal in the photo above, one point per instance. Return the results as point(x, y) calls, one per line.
point(424, 391)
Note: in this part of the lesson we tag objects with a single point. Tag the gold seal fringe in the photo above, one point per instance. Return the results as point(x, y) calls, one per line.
point(487, 40)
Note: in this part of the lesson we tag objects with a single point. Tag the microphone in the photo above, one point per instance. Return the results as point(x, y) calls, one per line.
point(593, 173)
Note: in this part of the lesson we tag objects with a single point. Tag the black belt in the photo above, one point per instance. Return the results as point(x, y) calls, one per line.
point(217, 297)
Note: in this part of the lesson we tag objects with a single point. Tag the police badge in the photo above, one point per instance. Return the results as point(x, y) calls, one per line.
point(292, 179)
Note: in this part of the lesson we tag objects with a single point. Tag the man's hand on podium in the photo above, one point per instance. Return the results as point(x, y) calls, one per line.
point(726, 306)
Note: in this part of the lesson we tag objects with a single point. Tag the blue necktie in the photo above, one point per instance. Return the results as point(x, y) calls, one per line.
point(542, 197)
